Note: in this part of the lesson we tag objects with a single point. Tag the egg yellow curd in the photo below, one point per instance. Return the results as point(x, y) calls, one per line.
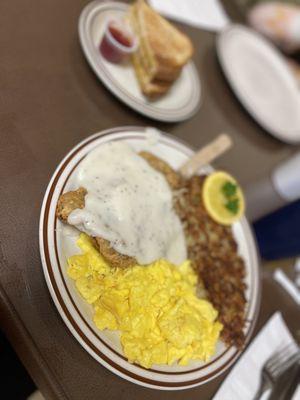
point(155, 307)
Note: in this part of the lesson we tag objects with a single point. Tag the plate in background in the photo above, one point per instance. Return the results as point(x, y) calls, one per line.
point(181, 102)
point(58, 242)
point(261, 79)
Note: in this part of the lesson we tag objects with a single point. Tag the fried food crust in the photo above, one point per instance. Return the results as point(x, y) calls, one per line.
point(73, 200)
point(69, 202)
point(112, 256)
point(172, 177)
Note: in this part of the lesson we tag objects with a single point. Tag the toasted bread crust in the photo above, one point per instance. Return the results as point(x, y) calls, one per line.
point(149, 88)
point(169, 46)
point(166, 74)
point(155, 88)
point(163, 49)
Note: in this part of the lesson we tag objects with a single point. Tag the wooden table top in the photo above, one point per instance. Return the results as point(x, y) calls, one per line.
point(50, 100)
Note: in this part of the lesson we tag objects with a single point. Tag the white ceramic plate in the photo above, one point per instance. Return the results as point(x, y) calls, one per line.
point(58, 242)
point(179, 103)
point(262, 80)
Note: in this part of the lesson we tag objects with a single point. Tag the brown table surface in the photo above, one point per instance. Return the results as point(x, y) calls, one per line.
point(49, 100)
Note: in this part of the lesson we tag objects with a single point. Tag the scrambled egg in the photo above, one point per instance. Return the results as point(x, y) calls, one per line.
point(155, 307)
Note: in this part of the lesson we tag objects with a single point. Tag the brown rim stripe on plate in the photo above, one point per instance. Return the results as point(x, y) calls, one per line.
point(66, 311)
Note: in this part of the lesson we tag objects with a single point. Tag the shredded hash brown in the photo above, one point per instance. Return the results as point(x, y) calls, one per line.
point(213, 250)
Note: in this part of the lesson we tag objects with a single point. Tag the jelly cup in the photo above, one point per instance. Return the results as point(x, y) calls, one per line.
point(118, 41)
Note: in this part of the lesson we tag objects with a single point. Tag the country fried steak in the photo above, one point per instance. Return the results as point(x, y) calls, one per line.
point(69, 202)
point(73, 200)
point(172, 177)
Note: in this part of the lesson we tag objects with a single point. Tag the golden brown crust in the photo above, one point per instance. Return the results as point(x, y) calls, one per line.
point(166, 73)
point(69, 202)
point(148, 87)
point(170, 47)
point(114, 258)
point(73, 200)
point(155, 88)
point(173, 178)
point(163, 50)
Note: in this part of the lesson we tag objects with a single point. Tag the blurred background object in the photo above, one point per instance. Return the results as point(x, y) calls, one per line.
point(278, 234)
point(262, 81)
point(278, 21)
point(295, 68)
point(208, 15)
point(16, 383)
point(268, 194)
point(273, 203)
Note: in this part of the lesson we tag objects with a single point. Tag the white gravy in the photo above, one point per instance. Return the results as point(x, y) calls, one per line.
point(129, 204)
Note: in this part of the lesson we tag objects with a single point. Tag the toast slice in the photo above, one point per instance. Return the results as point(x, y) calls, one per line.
point(163, 49)
point(149, 87)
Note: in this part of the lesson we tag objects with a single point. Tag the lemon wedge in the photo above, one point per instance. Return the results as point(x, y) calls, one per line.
point(223, 198)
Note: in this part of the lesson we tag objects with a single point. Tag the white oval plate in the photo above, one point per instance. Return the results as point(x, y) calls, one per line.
point(58, 242)
point(179, 103)
point(262, 80)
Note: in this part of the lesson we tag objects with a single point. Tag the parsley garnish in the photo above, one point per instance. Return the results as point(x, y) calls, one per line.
point(232, 206)
point(229, 189)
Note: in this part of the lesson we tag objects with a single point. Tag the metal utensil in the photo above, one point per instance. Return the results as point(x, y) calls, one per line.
point(295, 381)
point(287, 383)
point(275, 366)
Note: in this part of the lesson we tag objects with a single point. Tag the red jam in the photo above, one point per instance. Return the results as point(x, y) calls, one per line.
point(121, 36)
point(117, 42)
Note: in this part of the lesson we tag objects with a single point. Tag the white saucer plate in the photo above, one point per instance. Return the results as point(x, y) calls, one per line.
point(181, 102)
point(58, 242)
point(261, 79)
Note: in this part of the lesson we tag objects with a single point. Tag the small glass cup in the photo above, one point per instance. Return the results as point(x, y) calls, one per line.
point(118, 41)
